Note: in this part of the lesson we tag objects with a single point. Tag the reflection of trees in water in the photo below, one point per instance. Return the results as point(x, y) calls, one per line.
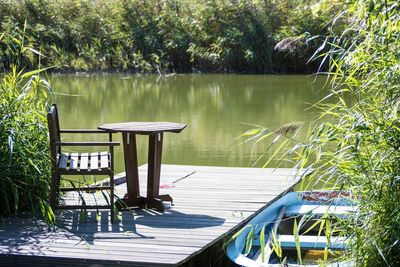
point(211, 105)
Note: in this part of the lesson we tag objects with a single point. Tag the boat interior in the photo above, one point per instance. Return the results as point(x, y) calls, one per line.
point(301, 234)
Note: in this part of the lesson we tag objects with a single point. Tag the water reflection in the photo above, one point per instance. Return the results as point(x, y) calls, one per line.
point(213, 107)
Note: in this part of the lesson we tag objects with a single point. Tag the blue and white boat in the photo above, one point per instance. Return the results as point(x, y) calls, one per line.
point(291, 231)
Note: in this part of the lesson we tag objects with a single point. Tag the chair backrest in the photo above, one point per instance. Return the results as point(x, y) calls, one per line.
point(54, 130)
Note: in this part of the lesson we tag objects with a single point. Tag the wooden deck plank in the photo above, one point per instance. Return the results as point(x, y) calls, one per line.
point(99, 255)
point(209, 203)
point(104, 241)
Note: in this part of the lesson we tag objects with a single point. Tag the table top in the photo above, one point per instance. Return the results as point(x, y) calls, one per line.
point(143, 127)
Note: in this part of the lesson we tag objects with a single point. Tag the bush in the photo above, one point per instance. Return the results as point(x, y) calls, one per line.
point(165, 36)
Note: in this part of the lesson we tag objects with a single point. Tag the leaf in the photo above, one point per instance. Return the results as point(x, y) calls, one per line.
point(319, 221)
point(276, 246)
point(34, 166)
point(239, 232)
point(284, 143)
point(16, 198)
point(106, 197)
point(11, 147)
point(297, 240)
point(322, 46)
point(33, 72)
point(264, 136)
point(251, 132)
point(262, 242)
point(32, 50)
point(249, 241)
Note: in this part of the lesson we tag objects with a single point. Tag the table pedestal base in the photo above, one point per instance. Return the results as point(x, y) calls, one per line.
point(143, 202)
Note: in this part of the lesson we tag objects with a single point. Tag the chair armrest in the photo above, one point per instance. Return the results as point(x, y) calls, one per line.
point(87, 143)
point(82, 131)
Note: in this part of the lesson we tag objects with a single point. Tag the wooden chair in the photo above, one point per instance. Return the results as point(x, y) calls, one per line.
point(101, 163)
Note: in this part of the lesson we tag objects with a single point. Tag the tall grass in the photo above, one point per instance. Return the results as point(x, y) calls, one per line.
point(24, 148)
point(356, 144)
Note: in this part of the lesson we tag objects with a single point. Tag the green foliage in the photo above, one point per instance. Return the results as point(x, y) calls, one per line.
point(357, 147)
point(299, 21)
point(24, 149)
point(165, 36)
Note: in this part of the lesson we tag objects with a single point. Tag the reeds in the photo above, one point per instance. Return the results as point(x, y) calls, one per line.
point(24, 149)
point(355, 145)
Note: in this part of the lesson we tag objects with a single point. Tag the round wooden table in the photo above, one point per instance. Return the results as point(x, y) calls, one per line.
point(155, 132)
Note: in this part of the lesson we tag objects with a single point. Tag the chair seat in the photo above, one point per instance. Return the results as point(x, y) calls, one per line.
point(84, 162)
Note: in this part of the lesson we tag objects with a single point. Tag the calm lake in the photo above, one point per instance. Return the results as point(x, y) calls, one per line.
point(215, 108)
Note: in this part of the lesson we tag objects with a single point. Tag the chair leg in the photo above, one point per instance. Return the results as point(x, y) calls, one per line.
point(54, 189)
point(112, 196)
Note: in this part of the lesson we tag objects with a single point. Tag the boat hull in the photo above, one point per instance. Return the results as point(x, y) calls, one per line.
point(294, 204)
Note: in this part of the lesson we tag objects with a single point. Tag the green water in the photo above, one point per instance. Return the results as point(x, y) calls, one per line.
point(214, 107)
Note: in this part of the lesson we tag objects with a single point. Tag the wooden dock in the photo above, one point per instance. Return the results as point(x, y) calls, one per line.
point(209, 204)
